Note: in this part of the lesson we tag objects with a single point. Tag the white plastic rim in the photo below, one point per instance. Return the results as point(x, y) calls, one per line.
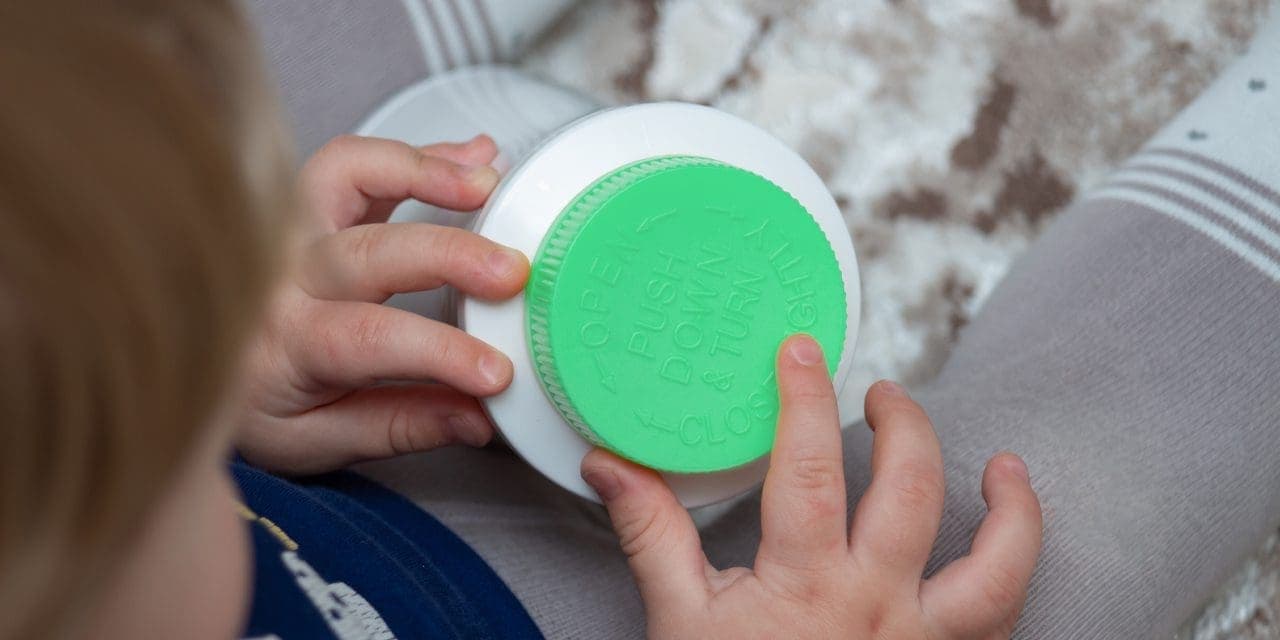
point(532, 196)
point(517, 110)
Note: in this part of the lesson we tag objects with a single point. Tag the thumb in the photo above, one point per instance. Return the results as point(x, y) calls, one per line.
point(657, 535)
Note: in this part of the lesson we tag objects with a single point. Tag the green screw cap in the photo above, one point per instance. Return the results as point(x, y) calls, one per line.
point(657, 304)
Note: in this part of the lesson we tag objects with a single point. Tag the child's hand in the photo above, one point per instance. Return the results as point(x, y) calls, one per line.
point(812, 578)
point(313, 401)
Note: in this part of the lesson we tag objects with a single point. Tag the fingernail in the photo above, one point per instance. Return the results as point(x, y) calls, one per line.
point(604, 482)
point(493, 368)
point(503, 262)
point(1016, 466)
point(890, 387)
point(805, 350)
point(468, 431)
point(483, 177)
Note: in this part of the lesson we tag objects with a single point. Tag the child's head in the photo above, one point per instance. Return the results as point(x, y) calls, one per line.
point(141, 202)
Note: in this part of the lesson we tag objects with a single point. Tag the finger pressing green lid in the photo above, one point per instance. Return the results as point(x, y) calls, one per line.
point(657, 304)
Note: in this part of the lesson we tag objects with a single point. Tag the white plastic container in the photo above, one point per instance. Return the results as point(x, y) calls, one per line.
point(562, 155)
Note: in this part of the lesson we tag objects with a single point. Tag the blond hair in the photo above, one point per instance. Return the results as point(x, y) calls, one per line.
point(140, 209)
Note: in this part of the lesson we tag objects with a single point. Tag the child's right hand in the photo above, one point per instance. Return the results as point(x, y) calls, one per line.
point(811, 577)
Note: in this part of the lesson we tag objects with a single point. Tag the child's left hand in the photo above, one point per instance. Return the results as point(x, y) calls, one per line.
point(314, 403)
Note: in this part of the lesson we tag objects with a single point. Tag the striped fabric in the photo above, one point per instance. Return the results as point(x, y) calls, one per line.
point(1235, 210)
point(455, 33)
point(1216, 166)
point(336, 62)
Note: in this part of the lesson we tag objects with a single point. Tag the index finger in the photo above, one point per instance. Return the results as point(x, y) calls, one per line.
point(803, 507)
point(351, 174)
